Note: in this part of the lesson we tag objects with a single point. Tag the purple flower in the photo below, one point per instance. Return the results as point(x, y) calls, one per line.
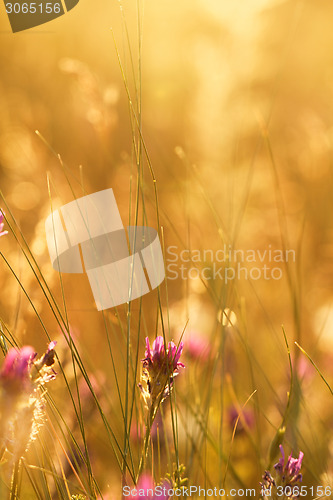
point(159, 368)
point(157, 355)
point(2, 233)
point(16, 367)
point(286, 478)
point(157, 350)
point(21, 400)
point(174, 354)
point(21, 368)
point(290, 472)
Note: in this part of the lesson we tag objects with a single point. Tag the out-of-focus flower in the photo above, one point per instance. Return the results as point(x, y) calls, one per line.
point(2, 232)
point(160, 366)
point(304, 369)
point(285, 484)
point(15, 369)
point(147, 490)
point(21, 401)
point(197, 347)
point(246, 420)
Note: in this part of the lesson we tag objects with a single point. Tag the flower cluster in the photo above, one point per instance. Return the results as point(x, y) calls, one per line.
point(2, 232)
point(21, 400)
point(160, 366)
point(288, 475)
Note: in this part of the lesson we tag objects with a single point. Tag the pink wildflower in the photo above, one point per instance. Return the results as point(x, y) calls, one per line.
point(21, 401)
point(17, 362)
point(157, 355)
point(16, 368)
point(2, 233)
point(160, 368)
point(289, 472)
point(288, 475)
